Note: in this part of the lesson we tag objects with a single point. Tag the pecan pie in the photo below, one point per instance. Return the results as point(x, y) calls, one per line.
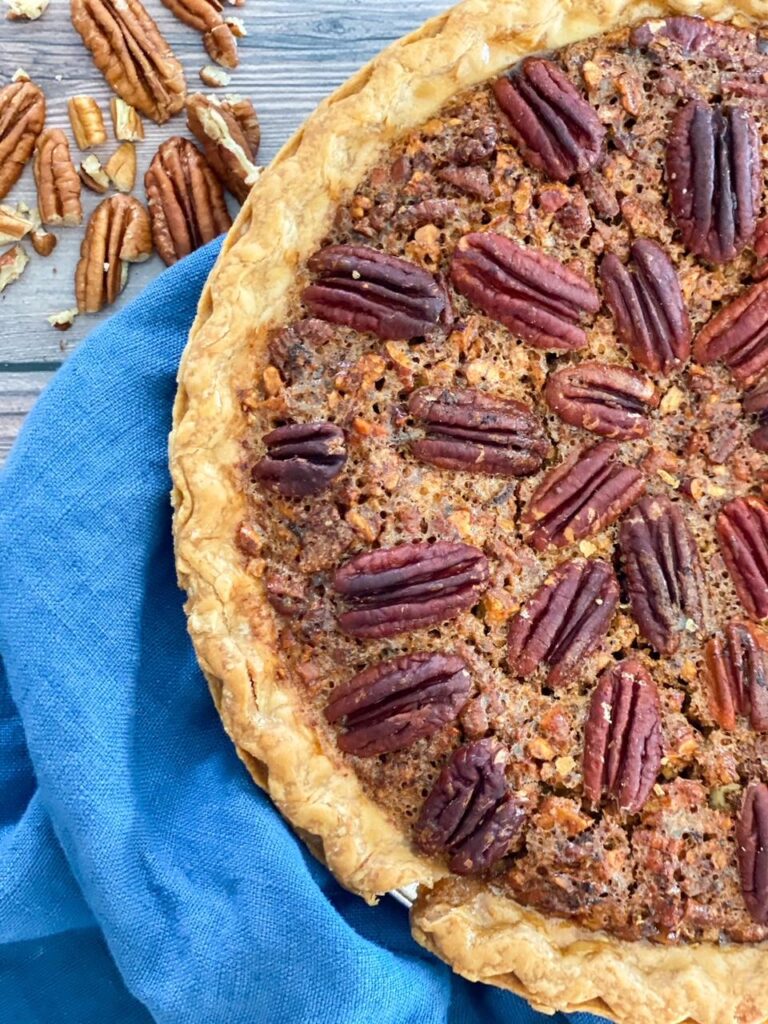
point(471, 497)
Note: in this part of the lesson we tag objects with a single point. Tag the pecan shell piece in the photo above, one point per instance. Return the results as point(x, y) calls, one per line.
point(129, 50)
point(22, 115)
point(534, 295)
point(186, 203)
point(738, 335)
point(752, 849)
point(57, 180)
point(302, 458)
point(118, 233)
point(205, 17)
point(742, 532)
point(554, 127)
point(647, 305)
point(360, 287)
point(667, 589)
point(470, 813)
point(605, 399)
point(581, 497)
point(564, 621)
point(228, 131)
point(395, 590)
point(390, 705)
point(737, 676)
point(477, 432)
point(713, 172)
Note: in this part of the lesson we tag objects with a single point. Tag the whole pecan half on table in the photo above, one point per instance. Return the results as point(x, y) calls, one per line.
point(737, 676)
point(22, 115)
point(228, 130)
point(205, 16)
point(395, 590)
point(752, 848)
point(302, 458)
point(738, 335)
point(533, 295)
point(605, 399)
point(389, 706)
point(477, 432)
point(118, 233)
point(470, 813)
point(742, 531)
point(58, 183)
point(129, 50)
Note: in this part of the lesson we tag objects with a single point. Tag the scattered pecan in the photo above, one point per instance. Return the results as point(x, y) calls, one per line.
point(93, 175)
point(392, 704)
point(121, 167)
point(475, 181)
point(15, 223)
point(564, 621)
point(213, 77)
point(302, 458)
point(228, 131)
point(125, 121)
point(428, 211)
point(713, 172)
point(737, 676)
point(756, 402)
point(293, 349)
point(118, 233)
point(87, 122)
point(372, 291)
point(22, 114)
point(738, 335)
point(554, 127)
point(533, 295)
point(477, 147)
point(603, 398)
point(470, 813)
point(186, 203)
point(752, 850)
point(58, 183)
point(622, 737)
point(647, 304)
point(205, 16)
point(129, 50)
point(395, 590)
point(13, 262)
point(477, 432)
point(581, 496)
point(742, 530)
point(26, 10)
point(715, 40)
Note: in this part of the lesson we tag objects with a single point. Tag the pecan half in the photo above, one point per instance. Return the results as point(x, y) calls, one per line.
point(564, 621)
point(713, 172)
point(22, 114)
point(129, 50)
point(581, 496)
point(470, 813)
point(752, 849)
point(554, 127)
point(395, 590)
point(228, 131)
point(622, 737)
point(477, 432)
point(372, 291)
point(391, 705)
point(666, 583)
point(205, 16)
point(117, 234)
point(737, 676)
point(755, 402)
point(302, 458)
point(603, 398)
point(738, 335)
point(57, 180)
point(533, 295)
point(648, 307)
point(186, 203)
point(742, 530)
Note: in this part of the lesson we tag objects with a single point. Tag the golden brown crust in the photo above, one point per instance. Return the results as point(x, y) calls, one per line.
point(484, 935)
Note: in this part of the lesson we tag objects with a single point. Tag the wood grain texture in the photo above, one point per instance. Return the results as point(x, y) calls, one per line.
point(293, 56)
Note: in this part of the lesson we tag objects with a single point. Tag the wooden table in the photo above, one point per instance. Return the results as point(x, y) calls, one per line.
point(296, 52)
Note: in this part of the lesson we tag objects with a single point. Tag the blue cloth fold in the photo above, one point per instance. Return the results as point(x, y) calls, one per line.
point(142, 874)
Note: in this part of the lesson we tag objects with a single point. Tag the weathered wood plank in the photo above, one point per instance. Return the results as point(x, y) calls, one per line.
point(18, 393)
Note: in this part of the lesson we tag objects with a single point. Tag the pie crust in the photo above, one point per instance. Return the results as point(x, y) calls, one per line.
point(484, 935)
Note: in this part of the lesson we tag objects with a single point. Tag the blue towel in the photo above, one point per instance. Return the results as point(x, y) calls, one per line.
point(143, 876)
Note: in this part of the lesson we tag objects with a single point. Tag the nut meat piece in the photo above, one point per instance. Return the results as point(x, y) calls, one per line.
point(693, 36)
point(366, 289)
point(477, 432)
point(604, 399)
point(535, 296)
point(581, 497)
point(392, 704)
point(14, 224)
point(12, 265)
point(738, 335)
point(666, 583)
point(205, 16)
point(470, 813)
point(22, 114)
point(564, 621)
point(752, 849)
point(755, 402)
point(118, 233)
point(742, 530)
point(121, 167)
point(125, 121)
point(737, 676)
point(186, 204)
point(396, 590)
point(713, 172)
point(87, 122)
point(228, 131)
point(622, 737)
point(58, 183)
point(93, 175)
point(648, 307)
point(554, 127)
point(129, 50)
point(302, 458)
point(26, 10)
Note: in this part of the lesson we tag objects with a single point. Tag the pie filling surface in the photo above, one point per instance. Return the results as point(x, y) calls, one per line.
point(506, 469)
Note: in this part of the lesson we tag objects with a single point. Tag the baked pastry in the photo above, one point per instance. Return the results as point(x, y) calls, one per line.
point(469, 485)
